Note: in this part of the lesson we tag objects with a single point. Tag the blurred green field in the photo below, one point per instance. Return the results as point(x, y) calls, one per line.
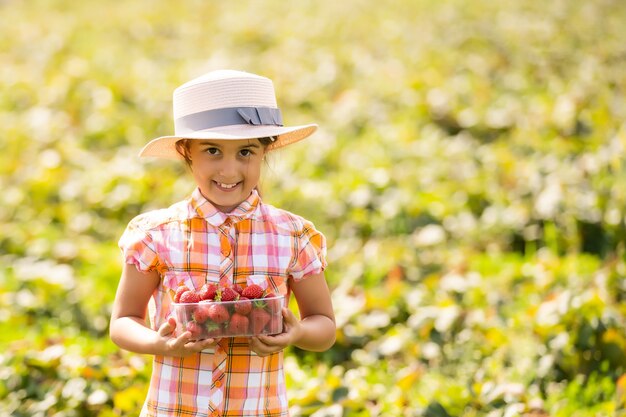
point(469, 175)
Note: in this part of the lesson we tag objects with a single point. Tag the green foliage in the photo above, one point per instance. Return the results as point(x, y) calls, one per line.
point(469, 175)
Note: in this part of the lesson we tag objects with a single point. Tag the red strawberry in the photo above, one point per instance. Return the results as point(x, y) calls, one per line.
point(259, 303)
point(218, 313)
point(276, 324)
point(238, 324)
point(189, 297)
point(253, 291)
point(274, 305)
point(270, 295)
point(179, 291)
point(243, 306)
point(259, 318)
point(238, 288)
point(213, 330)
point(228, 294)
point(208, 291)
point(201, 313)
point(195, 329)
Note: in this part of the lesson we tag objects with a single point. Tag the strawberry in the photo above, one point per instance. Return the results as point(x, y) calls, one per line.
point(228, 294)
point(238, 324)
point(213, 330)
point(243, 306)
point(259, 318)
point(276, 324)
point(195, 329)
point(179, 291)
point(270, 295)
point(201, 313)
point(189, 297)
point(238, 289)
point(208, 291)
point(252, 291)
point(274, 305)
point(218, 313)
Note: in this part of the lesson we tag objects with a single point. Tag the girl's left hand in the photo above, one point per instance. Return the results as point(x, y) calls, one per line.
point(264, 345)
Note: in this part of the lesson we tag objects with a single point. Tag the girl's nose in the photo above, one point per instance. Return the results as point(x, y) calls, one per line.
point(227, 168)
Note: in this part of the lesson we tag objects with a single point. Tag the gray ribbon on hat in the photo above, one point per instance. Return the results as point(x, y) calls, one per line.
point(228, 116)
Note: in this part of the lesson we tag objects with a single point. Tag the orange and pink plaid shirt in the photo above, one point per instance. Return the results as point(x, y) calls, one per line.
point(192, 242)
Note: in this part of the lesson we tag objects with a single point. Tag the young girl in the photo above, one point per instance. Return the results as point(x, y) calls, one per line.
point(225, 123)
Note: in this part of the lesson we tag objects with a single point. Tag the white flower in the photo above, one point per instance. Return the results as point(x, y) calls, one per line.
point(97, 397)
point(429, 236)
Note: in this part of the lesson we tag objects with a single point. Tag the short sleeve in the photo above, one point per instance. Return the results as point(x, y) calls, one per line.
point(311, 253)
point(138, 247)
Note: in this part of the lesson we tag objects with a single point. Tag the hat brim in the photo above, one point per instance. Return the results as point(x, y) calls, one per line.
point(165, 146)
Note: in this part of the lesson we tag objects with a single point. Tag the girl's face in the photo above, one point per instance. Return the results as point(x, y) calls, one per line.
point(226, 171)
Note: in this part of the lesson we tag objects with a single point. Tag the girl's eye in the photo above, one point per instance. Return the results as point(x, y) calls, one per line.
point(245, 152)
point(212, 151)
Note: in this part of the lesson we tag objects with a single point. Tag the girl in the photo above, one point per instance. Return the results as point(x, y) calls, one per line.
point(225, 123)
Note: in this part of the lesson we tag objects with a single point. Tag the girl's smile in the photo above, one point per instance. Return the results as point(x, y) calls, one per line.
point(226, 171)
point(226, 187)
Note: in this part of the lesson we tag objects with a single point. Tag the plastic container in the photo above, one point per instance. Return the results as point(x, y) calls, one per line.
point(217, 319)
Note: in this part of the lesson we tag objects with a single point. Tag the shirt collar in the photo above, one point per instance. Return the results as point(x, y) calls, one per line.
point(203, 207)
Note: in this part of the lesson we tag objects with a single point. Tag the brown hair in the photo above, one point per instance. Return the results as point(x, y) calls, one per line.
point(182, 147)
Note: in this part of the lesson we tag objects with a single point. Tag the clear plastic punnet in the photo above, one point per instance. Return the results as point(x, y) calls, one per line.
point(242, 318)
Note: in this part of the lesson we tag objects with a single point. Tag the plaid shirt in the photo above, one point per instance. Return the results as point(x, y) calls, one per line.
point(192, 242)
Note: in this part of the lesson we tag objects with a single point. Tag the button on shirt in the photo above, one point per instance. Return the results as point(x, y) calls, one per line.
point(192, 243)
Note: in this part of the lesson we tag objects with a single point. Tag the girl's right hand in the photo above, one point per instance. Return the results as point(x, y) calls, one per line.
point(180, 346)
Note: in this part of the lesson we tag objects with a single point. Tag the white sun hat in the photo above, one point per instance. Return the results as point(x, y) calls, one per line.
point(228, 105)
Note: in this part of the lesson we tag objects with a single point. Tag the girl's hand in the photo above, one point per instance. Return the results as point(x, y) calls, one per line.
point(180, 346)
point(264, 345)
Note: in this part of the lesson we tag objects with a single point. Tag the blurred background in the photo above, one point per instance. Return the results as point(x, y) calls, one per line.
point(469, 175)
